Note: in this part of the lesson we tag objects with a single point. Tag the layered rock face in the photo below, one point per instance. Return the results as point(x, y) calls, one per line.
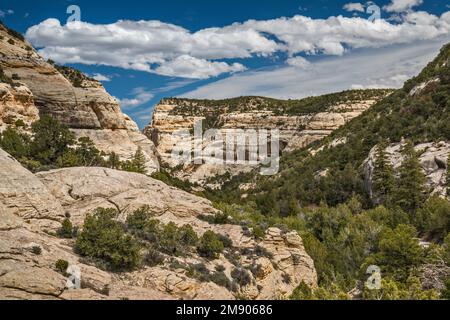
point(174, 115)
point(67, 95)
point(28, 254)
point(433, 157)
point(16, 103)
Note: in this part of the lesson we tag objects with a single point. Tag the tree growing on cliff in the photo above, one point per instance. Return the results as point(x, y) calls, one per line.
point(383, 177)
point(410, 189)
point(137, 164)
point(113, 161)
point(51, 140)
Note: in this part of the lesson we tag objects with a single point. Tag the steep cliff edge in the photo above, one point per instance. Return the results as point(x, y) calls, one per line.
point(40, 88)
point(300, 123)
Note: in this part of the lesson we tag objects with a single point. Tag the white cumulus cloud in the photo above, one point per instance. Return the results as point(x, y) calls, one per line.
point(354, 6)
point(189, 67)
point(402, 5)
point(170, 50)
point(299, 62)
point(364, 68)
point(101, 77)
point(141, 96)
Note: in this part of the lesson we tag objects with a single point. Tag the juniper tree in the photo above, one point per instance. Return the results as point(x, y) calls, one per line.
point(139, 161)
point(114, 161)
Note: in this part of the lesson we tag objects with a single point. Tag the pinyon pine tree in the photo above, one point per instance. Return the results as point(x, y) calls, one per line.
point(383, 177)
point(411, 191)
point(139, 161)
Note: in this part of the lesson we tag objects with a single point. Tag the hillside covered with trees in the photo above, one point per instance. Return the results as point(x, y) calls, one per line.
point(323, 195)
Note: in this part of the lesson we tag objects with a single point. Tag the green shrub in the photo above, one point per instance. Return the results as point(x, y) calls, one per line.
point(221, 279)
point(37, 250)
point(50, 141)
point(210, 245)
point(258, 233)
point(105, 238)
point(226, 241)
point(241, 276)
point(66, 230)
point(15, 143)
point(168, 240)
point(153, 258)
point(433, 218)
point(187, 236)
point(19, 123)
point(137, 164)
point(61, 266)
point(11, 42)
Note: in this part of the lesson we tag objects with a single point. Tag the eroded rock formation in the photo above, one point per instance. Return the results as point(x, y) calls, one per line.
point(296, 131)
point(74, 99)
point(28, 254)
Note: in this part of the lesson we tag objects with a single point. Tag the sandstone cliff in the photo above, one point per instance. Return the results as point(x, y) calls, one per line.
point(297, 129)
point(66, 94)
point(29, 250)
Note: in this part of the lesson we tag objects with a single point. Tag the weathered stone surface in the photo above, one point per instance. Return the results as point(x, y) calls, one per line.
point(433, 159)
point(26, 196)
point(16, 104)
point(81, 190)
point(295, 131)
point(84, 106)
point(124, 143)
point(89, 188)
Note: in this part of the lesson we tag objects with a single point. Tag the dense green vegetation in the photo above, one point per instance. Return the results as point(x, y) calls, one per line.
point(212, 108)
point(324, 197)
point(49, 145)
point(141, 240)
point(105, 238)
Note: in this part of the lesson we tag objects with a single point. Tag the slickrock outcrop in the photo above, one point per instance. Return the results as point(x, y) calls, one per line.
point(433, 157)
point(26, 196)
point(67, 95)
point(28, 254)
point(296, 131)
point(80, 190)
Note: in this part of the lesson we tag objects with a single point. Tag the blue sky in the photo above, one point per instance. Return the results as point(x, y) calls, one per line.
point(268, 55)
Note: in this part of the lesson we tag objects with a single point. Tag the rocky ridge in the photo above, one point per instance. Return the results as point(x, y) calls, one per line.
point(81, 103)
point(296, 131)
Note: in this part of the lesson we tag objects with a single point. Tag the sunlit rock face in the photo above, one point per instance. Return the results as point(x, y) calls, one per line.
point(81, 103)
point(33, 206)
point(295, 131)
